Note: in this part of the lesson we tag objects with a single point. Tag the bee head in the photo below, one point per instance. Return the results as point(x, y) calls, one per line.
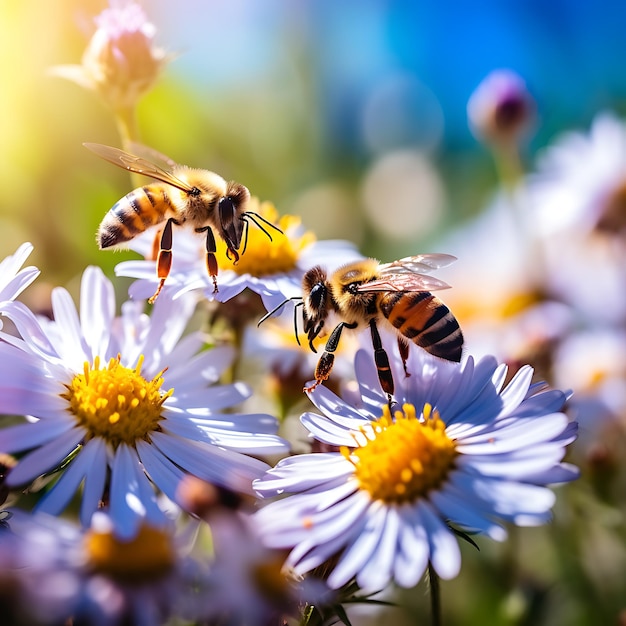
point(316, 302)
point(230, 208)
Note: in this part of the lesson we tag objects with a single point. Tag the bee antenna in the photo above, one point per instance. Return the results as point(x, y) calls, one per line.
point(257, 219)
point(280, 306)
point(245, 236)
point(295, 320)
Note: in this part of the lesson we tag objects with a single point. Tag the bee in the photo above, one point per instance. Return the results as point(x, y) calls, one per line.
point(367, 293)
point(182, 196)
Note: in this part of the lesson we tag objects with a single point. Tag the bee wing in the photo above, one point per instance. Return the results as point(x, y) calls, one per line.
point(138, 164)
point(410, 274)
point(419, 264)
point(404, 282)
point(154, 156)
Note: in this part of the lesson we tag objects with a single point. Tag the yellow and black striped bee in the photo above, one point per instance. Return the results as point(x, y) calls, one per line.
point(182, 196)
point(367, 293)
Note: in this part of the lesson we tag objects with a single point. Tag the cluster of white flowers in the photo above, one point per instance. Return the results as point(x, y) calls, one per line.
point(132, 423)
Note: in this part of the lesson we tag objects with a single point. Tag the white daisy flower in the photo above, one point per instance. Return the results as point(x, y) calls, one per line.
point(61, 574)
point(273, 268)
point(457, 450)
point(13, 277)
point(123, 404)
point(580, 180)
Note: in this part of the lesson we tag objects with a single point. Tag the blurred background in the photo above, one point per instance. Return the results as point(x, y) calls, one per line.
point(353, 115)
point(328, 109)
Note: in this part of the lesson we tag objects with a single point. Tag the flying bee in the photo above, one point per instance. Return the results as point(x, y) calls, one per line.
point(182, 195)
point(367, 293)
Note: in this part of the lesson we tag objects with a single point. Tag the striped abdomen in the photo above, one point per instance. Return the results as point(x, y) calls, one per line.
point(135, 212)
point(425, 320)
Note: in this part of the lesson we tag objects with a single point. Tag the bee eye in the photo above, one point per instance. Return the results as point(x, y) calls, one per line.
point(317, 295)
point(230, 227)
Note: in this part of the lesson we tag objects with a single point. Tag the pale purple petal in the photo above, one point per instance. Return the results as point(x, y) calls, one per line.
point(95, 453)
point(46, 457)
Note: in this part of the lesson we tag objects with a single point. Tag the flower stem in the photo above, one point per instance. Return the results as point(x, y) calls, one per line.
point(128, 128)
point(435, 596)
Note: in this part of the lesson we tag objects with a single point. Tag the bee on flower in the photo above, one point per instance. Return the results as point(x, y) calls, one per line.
point(271, 268)
point(122, 408)
point(459, 452)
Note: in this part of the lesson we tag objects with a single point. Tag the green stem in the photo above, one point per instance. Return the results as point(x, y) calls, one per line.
point(128, 128)
point(511, 174)
point(435, 596)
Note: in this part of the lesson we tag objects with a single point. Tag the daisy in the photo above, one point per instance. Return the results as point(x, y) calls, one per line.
point(580, 180)
point(13, 277)
point(60, 573)
point(457, 450)
point(122, 405)
point(272, 268)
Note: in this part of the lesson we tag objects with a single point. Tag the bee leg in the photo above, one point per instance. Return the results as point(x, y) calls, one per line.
point(382, 362)
point(164, 257)
point(156, 245)
point(325, 364)
point(211, 260)
point(403, 346)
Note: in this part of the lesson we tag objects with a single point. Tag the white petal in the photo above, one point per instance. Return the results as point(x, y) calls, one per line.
point(329, 431)
point(55, 501)
point(45, 458)
point(513, 433)
point(73, 347)
point(27, 436)
point(516, 390)
point(213, 398)
point(376, 572)
point(210, 463)
point(17, 284)
point(413, 549)
point(516, 465)
point(302, 472)
point(132, 497)
point(361, 550)
point(97, 310)
point(95, 479)
point(458, 509)
point(164, 474)
point(30, 330)
point(445, 555)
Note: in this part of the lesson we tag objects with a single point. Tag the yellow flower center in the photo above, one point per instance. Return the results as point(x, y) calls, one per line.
point(148, 556)
point(265, 256)
point(403, 457)
point(269, 579)
point(116, 403)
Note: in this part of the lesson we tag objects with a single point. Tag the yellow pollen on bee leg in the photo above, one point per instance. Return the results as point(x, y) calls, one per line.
point(404, 457)
point(116, 402)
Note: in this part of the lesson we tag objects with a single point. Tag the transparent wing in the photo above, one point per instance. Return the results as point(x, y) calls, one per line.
point(404, 282)
point(154, 156)
point(410, 274)
point(419, 264)
point(138, 164)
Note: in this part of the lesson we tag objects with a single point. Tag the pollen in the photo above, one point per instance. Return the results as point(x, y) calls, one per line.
point(264, 256)
point(150, 555)
point(115, 402)
point(401, 458)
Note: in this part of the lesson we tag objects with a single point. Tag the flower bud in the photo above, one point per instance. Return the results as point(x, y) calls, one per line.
point(501, 109)
point(121, 62)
